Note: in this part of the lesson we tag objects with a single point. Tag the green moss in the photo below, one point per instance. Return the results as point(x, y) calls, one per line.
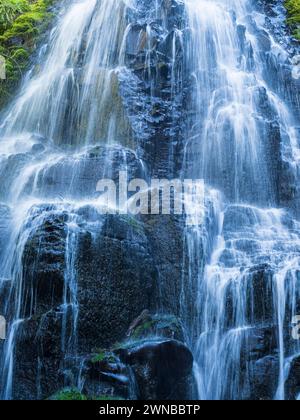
point(293, 20)
point(103, 356)
point(68, 395)
point(161, 326)
point(100, 357)
point(107, 398)
point(75, 395)
point(21, 26)
point(10, 10)
point(143, 329)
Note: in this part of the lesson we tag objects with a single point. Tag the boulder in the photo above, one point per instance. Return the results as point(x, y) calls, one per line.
point(162, 369)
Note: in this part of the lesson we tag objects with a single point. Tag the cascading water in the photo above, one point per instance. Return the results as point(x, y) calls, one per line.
point(83, 57)
point(68, 128)
point(248, 284)
point(57, 109)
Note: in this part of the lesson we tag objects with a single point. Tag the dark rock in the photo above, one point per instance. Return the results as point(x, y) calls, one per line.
point(154, 84)
point(162, 369)
point(165, 234)
point(159, 325)
point(77, 176)
point(116, 281)
point(106, 375)
point(44, 264)
point(39, 359)
point(259, 297)
point(143, 318)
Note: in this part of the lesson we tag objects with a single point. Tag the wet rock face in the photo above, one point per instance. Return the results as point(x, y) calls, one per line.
point(293, 381)
point(44, 266)
point(70, 176)
point(116, 280)
point(282, 75)
point(143, 367)
point(165, 234)
point(154, 85)
point(251, 297)
point(162, 369)
point(264, 378)
point(122, 265)
point(275, 20)
point(5, 218)
point(39, 367)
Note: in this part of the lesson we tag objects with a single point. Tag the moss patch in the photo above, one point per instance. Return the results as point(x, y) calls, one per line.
point(107, 398)
point(75, 395)
point(68, 395)
point(21, 25)
point(293, 20)
point(103, 356)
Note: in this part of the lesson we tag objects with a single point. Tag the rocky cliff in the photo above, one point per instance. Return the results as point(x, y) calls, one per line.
point(110, 304)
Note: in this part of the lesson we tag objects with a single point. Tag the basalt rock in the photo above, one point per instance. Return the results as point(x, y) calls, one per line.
point(77, 176)
point(292, 386)
point(116, 280)
point(162, 369)
point(154, 85)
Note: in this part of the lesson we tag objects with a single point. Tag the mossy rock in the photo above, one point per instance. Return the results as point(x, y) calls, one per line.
point(75, 395)
point(10, 10)
point(21, 27)
point(107, 398)
point(68, 395)
point(103, 356)
point(166, 326)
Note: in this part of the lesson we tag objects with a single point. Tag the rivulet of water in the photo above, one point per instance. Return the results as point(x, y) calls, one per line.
point(246, 277)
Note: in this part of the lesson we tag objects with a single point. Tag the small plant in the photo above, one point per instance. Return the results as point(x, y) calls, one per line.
point(103, 356)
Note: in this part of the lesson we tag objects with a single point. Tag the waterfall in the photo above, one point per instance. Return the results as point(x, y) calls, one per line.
point(151, 87)
point(84, 55)
point(65, 106)
point(247, 283)
point(228, 134)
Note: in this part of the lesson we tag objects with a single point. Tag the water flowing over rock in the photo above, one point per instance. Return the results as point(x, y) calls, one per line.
point(246, 142)
point(153, 306)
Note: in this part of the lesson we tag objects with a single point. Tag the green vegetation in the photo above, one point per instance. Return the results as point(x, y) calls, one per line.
point(75, 395)
point(103, 356)
point(68, 395)
point(21, 24)
point(158, 326)
point(107, 398)
point(9, 11)
point(293, 9)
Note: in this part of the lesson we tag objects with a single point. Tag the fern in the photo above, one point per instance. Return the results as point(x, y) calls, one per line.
point(9, 10)
point(293, 9)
